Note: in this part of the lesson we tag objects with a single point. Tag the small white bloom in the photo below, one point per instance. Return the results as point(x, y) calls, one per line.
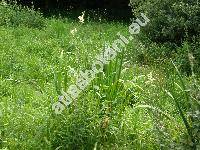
point(72, 71)
point(96, 87)
point(150, 78)
point(4, 3)
point(124, 70)
point(81, 18)
point(73, 32)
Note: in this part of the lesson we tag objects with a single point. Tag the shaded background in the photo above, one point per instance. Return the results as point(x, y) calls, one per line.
point(114, 9)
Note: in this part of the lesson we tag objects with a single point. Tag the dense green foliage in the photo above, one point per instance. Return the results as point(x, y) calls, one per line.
point(14, 15)
point(174, 28)
point(139, 104)
point(171, 21)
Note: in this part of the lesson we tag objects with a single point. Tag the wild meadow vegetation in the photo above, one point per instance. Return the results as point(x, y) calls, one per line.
point(147, 98)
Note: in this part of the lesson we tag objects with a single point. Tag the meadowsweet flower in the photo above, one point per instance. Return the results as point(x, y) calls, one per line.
point(81, 18)
point(124, 70)
point(72, 72)
point(191, 60)
point(73, 32)
point(150, 78)
point(105, 122)
point(96, 87)
point(4, 3)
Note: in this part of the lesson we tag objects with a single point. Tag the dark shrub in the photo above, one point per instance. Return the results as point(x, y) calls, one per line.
point(171, 21)
point(15, 15)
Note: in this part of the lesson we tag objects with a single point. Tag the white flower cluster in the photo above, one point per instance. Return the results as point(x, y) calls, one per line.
point(84, 78)
point(81, 18)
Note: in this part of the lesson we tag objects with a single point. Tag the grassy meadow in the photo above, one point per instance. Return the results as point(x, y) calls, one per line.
point(144, 99)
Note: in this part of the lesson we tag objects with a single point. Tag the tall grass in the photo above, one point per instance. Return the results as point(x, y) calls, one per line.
point(124, 107)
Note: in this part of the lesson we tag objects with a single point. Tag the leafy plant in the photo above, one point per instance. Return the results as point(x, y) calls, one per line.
point(171, 21)
point(12, 14)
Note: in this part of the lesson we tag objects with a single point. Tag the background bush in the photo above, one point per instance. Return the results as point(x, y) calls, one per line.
point(15, 15)
point(171, 21)
point(172, 24)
